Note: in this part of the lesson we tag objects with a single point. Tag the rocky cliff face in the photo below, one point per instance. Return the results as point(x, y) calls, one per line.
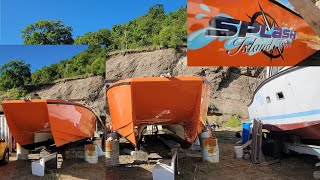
point(90, 89)
point(231, 87)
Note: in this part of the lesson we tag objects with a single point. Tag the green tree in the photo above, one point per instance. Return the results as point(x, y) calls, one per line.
point(47, 32)
point(14, 74)
point(152, 29)
point(46, 74)
point(101, 37)
point(118, 37)
point(174, 29)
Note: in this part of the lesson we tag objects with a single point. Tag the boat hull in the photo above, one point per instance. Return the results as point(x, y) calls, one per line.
point(297, 109)
point(179, 103)
point(64, 121)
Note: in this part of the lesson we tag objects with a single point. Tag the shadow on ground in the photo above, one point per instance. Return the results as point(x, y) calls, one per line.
point(294, 166)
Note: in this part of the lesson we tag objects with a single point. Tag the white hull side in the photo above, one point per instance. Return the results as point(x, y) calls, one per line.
point(301, 103)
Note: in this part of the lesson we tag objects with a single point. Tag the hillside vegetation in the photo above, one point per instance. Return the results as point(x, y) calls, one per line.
point(152, 29)
point(90, 61)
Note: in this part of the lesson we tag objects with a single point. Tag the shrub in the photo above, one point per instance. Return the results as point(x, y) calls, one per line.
point(234, 122)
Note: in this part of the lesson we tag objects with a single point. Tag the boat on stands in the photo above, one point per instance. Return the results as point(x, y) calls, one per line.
point(41, 122)
point(177, 104)
point(288, 102)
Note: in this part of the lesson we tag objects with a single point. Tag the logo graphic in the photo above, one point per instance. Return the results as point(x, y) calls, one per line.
point(260, 34)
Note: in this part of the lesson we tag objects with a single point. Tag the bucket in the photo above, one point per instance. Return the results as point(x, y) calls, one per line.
point(245, 132)
point(98, 142)
point(113, 135)
point(204, 135)
point(238, 150)
point(91, 153)
point(209, 149)
point(112, 153)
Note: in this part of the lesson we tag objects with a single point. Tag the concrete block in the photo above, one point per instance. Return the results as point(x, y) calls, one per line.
point(140, 155)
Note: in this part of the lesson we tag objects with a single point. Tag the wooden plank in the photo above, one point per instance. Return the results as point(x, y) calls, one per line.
point(247, 144)
point(254, 141)
point(257, 155)
point(34, 156)
point(310, 13)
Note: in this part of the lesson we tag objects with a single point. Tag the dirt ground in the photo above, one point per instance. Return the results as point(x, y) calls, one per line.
point(293, 166)
point(71, 170)
point(290, 167)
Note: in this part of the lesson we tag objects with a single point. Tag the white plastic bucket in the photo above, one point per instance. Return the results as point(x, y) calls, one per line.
point(238, 150)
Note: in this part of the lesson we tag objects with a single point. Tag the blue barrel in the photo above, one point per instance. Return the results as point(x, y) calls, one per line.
point(245, 132)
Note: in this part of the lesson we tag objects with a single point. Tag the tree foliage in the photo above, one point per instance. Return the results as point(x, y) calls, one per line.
point(90, 61)
point(47, 32)
point(14, 74)
point(101, 37)
point(155, 29)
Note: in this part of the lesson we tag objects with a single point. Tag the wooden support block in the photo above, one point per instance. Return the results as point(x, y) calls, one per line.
point(34, 156)
point(59, 161)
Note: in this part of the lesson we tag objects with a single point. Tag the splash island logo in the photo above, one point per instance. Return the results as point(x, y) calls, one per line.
point(260, 34)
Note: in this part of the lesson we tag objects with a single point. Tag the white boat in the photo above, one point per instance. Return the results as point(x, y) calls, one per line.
point(289, 101)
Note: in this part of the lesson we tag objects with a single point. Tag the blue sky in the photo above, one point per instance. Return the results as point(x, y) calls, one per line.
point(286, 2)
point(38, 56)
point(82, 15)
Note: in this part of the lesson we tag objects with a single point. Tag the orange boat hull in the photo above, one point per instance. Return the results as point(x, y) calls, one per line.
point(138, 102)
point(66, 121)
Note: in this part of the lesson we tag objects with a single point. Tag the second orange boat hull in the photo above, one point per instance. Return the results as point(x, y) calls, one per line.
point(66, 121)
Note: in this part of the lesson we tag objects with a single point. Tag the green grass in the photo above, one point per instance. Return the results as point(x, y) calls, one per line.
point(15, 93)
point(233, 122)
